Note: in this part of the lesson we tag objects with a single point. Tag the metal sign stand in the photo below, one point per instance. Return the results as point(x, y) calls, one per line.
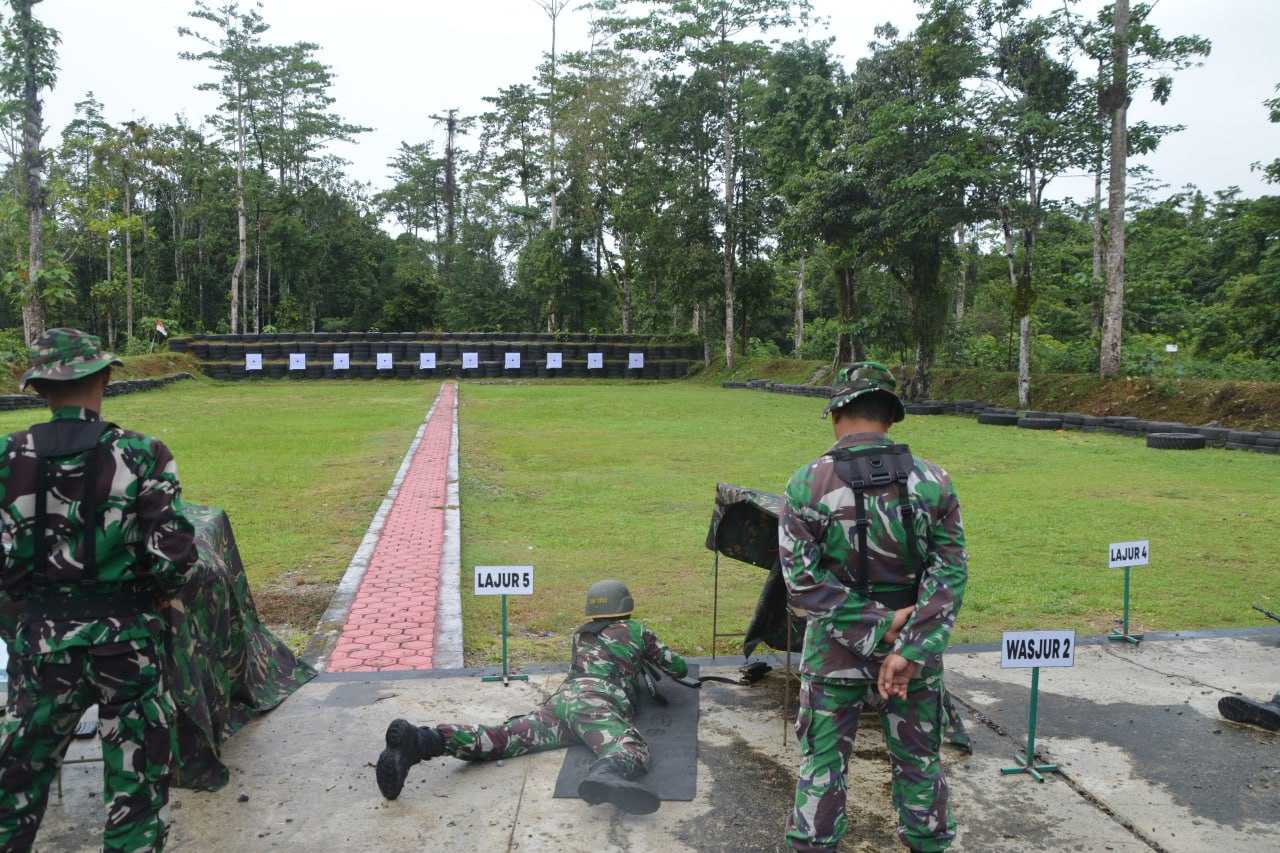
point(1124, 635)
point(1027, 763)
point(506, 677)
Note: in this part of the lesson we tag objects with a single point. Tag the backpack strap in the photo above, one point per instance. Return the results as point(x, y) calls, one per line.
point(54, 440)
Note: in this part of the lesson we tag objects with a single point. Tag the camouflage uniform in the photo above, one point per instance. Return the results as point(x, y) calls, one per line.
point(83, 574)
point(846, 625)
point(594, 706)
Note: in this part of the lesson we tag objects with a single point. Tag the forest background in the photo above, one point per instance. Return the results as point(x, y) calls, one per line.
point(703, 167)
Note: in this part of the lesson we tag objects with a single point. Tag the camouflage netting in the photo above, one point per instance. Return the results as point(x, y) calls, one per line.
point(226, 668)
point(744, 526)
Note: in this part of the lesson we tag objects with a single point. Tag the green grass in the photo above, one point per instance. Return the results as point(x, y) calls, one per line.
point(593, 480)
point(300, 468)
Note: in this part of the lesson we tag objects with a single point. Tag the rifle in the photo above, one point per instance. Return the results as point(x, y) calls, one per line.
point(1266, 613)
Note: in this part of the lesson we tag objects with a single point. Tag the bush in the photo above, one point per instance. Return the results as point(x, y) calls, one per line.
point(820, 336)
point(757, 348)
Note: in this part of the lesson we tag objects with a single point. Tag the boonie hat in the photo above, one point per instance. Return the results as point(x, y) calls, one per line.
point(63, 355)
point(861, 378)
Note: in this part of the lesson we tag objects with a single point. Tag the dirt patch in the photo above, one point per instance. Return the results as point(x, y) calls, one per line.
point(293, 600)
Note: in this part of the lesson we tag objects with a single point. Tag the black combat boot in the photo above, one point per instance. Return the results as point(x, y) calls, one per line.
point(612, 781)
point(1239, 709)
point(407, 744)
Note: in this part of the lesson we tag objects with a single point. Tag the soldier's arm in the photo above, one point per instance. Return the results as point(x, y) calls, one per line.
point(946, 572)
point(658, 653)
point(167, 535)
point(813, 591)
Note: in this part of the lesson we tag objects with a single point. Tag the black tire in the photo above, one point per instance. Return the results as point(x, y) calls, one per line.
point(1040, 423)
point(924, 409)
point(1175, 441)
point(997, 419)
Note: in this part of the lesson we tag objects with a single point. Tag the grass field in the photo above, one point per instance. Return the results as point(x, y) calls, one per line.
point(588, 481)
point(300, 468)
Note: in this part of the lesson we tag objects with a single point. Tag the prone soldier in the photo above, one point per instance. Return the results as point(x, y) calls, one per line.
point(595, 706)
point(91, 534)
point(872, 550)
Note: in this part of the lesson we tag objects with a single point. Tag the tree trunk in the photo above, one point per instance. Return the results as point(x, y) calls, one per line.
point(257, 275)
point(799, 321)
point(33, 319)
point(128, 251)
point(728, 220)
point(1095, 309)
point(626, 285)
point(242, 237)
point(848, 345)
point(553, 203)
point(1118, 97)
point(957, 304)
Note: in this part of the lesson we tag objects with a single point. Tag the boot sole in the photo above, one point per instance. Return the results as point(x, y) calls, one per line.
point(1239, 710)
point(632, 799)
point(391, 773)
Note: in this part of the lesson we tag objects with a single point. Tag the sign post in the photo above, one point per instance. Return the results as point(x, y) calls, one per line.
point(1032, 650)
point(1126, 555)
point(503, 581)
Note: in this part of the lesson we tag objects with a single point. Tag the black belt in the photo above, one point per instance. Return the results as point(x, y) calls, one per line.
point(89, 606)
point(895, 599)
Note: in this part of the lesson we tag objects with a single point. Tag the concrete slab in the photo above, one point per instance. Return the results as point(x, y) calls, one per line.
point(1148, 766)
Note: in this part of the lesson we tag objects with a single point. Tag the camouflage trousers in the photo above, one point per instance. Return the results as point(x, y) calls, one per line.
point(585, 710)
point(135, 714)
point(825, 728)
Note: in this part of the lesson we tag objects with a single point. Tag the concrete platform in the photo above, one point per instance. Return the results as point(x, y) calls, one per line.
point(1148, 766)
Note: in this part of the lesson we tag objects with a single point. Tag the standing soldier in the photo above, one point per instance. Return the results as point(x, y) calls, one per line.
point(873, 554)
point(612, 656)
point(92, 533)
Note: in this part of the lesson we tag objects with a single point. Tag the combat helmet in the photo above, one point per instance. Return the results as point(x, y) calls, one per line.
point(64, 355)
point(861, 378)
point(609, 598)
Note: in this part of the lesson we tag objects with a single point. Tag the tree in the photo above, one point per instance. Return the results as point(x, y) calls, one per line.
point(30, 48)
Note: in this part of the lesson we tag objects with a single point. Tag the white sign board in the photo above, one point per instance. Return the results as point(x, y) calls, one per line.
point(470, 360)
point(342, 361)
point(384, 361)
point(504, 580)
point(4, 662)
point(595, 360)
point(1121, 554)
point(512, 361)
point(1170, 347)
point(1026, 649)
point(427, 361)
point(297, 361)
point(253, 361)
point(555, 360)
point(635, 360)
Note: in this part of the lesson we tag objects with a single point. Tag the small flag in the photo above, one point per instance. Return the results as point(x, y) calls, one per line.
point(160, 327)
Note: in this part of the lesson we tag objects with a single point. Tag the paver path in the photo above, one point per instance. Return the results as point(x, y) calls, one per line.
point(392, 622)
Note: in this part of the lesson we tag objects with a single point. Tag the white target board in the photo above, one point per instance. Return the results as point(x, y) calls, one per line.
point(297, 361)
point(470, 360)
point(253, 361)
point(1027, 649)
point(1136, 553)
point(384, 361)
point(427, 361)
point(342, 361)
point(635, 360)
point(555, 360)
point(595, 360)
point(512, 361)
point(504, 580)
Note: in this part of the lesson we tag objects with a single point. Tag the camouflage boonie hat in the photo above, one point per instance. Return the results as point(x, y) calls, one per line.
point(63, 355)
point(860, 378)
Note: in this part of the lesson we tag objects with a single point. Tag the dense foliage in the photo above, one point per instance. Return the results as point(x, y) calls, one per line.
point(697, 164)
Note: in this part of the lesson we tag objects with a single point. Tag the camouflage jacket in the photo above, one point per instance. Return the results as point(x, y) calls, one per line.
point(616, 654)
point(143, 543)
point(844, 637)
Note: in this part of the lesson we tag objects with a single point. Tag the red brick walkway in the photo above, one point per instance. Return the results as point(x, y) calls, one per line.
point(392, 623)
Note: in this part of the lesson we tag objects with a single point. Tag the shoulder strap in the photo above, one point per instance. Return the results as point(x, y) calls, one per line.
point(874, 467)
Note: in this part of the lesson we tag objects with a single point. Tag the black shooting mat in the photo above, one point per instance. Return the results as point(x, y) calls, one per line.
point(671, 731)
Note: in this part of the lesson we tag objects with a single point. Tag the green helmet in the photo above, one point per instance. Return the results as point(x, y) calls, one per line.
point(63, 355)
point(609, 598)
point(861, 378)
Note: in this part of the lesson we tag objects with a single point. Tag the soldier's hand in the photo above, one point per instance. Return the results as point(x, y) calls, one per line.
point(900, 618)
point(895, 672)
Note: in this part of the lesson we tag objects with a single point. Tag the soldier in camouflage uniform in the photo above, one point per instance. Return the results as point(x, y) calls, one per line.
point(595, 706)
point(91, 533)
point(872, 551)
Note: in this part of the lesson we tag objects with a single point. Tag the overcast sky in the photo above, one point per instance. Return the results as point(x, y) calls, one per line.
point(398, 61)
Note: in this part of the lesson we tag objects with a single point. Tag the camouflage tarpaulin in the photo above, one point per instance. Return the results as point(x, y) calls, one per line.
point(224, 665)
point(744, 526)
